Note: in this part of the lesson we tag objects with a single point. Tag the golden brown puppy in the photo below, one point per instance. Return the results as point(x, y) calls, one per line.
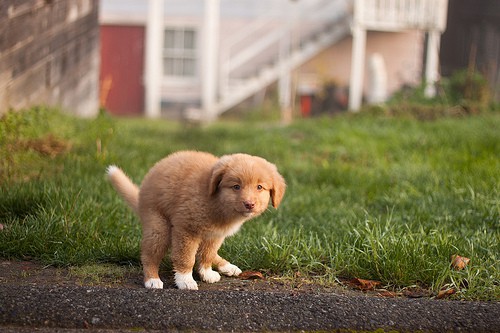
point(189, 202)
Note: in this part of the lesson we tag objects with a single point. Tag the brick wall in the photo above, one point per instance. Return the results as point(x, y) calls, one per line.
point(49, 55)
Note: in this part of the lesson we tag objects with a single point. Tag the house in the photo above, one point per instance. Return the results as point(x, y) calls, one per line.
point(200, 58)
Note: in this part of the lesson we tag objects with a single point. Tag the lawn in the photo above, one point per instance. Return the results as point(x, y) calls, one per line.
point(369, 196)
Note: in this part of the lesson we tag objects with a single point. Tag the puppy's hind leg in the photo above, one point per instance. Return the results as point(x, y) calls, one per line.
point(226, 268)
point(155, 240)
point(209, 257)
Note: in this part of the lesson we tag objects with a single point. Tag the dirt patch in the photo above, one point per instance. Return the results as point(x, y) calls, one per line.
point(25, 159)
point(130, 277)
point(48, 145)
point(32, 273)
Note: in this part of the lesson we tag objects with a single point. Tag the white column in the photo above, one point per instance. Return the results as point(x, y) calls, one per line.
point(285, 93)
point(357, 67)
point(285, 79)
point(153, 66)
point(432, 63)
point(287, 43)
point(210, 59)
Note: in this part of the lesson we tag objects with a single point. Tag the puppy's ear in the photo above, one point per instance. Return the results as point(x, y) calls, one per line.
point(218, 172)
point(278, 189)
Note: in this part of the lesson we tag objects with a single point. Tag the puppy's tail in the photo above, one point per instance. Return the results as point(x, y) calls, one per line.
point(124, 186)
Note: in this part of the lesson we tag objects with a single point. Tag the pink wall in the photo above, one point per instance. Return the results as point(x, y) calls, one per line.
point(402, 53)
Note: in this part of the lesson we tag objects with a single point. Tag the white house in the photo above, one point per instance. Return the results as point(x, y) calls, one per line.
point(203, 57)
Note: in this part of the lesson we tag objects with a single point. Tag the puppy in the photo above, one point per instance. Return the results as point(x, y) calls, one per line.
point(189, 202)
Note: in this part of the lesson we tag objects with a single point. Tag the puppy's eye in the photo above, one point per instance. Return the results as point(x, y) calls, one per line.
point(260, 188)
point(236, 187)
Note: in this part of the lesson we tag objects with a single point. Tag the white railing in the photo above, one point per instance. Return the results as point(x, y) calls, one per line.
point(394, 15)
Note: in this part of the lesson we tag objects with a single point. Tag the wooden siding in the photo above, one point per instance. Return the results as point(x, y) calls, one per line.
point(49, 55)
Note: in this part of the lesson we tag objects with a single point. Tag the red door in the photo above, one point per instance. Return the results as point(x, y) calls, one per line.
point(122, 63)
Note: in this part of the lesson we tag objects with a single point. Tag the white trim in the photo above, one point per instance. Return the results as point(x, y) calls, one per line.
point(115, 19)
point(210, 58)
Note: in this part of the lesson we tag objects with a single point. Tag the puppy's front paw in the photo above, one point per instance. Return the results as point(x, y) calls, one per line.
point(153, 284)
point(208, 275)
point(185, 281)
point(229, 270)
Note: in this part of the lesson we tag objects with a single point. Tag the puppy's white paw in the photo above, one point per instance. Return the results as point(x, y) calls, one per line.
point(208, 275)
point(153, 284)
point(185, 281)
point(229, 270)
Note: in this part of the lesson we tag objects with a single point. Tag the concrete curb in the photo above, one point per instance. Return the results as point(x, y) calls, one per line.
point(169, 309)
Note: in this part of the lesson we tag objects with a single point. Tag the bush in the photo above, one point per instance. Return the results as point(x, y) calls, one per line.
point(462, 94)
point(464, 87)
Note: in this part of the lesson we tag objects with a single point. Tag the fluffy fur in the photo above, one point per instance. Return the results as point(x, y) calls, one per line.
point(189, 202)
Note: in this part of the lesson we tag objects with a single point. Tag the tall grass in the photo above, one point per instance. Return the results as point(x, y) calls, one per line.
point(369, 196)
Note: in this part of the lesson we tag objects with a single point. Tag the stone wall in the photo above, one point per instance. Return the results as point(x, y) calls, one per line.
point(49, 55)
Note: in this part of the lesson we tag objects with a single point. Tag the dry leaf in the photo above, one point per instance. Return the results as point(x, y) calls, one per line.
point(365, 284)
point(389, 294)
point(251, 275)
point(445, 293)
point(459, 262)
point(416, 292)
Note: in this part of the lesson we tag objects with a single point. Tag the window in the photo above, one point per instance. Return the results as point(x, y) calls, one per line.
point(179, 52)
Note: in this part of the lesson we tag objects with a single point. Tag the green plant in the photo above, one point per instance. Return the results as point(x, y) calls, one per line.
point(466, 86)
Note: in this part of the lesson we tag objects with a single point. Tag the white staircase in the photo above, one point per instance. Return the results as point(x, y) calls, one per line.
point(258, 54)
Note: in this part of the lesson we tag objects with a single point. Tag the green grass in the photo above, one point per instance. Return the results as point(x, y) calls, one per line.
point(369, 196)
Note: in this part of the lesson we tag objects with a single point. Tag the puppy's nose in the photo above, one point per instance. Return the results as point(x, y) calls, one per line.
point(249, 205)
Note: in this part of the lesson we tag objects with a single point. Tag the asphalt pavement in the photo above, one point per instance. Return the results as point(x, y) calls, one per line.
point(63, 308)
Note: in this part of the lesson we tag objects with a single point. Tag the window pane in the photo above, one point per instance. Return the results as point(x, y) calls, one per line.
point(179, 39)
point(169, 39)
point(189, 67)
point(168, 66)
point(177, 67)
point(189, 40)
